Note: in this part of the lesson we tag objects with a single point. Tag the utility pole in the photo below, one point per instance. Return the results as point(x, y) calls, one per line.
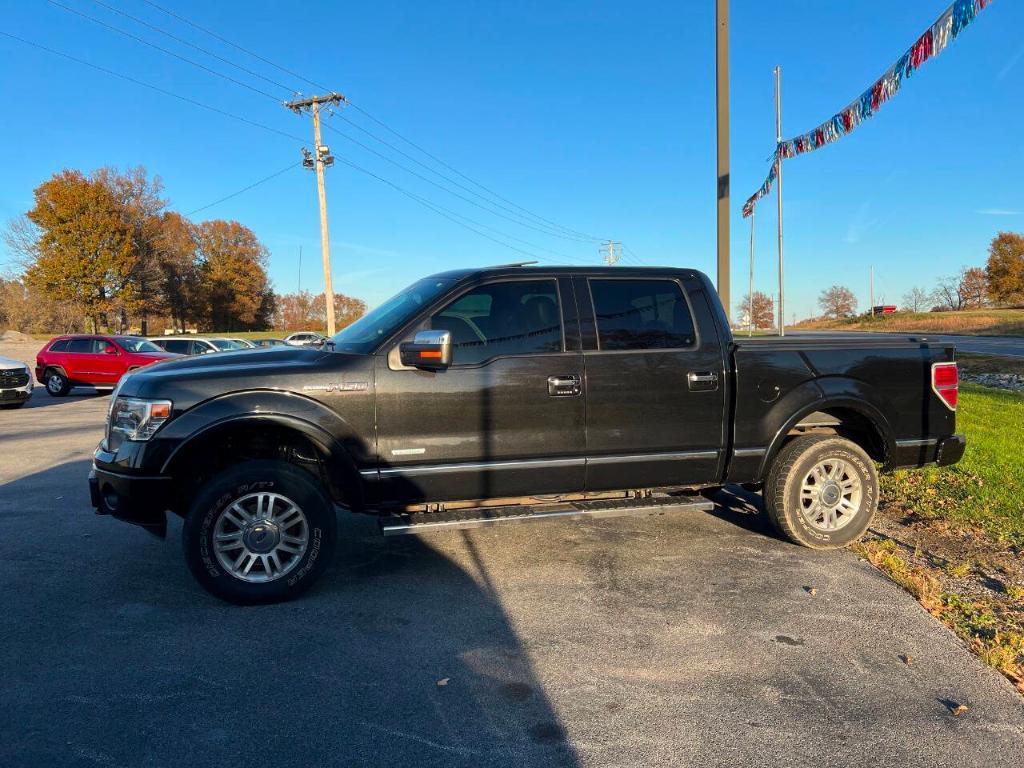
point(722, 112)
point(778, 191)
point(318, 160)
point(872, 290)
point(612, 252)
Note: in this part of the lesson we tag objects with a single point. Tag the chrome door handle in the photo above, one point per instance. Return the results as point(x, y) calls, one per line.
point(702, 381)
point(568, 385)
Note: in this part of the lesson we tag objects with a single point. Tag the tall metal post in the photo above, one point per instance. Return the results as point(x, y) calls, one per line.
point(750, 281)
point(872, 291)
point(722, 111)
point(778, 190)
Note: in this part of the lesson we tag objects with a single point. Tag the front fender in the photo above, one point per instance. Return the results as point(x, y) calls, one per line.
point(342, 447)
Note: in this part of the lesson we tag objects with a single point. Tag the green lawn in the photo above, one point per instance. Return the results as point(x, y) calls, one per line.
point(986, 489)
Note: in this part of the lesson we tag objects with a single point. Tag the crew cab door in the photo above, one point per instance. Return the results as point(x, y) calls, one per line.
point(655, 379)
point(506, 418)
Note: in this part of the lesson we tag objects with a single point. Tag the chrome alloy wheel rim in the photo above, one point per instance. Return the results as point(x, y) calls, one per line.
point(830, 495)
point(260, 537)
point(54, 383)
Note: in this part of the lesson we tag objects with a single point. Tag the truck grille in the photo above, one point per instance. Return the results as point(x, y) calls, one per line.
point(13, 379)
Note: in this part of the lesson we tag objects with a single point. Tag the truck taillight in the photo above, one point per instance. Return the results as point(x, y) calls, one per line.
point(946, 383)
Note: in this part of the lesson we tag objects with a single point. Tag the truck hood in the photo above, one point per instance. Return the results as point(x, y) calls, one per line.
point(190, 380)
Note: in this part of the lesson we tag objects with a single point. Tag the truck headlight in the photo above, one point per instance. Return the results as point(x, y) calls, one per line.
point(138, 419)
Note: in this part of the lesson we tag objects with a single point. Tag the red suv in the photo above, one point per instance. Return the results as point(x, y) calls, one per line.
point(98, 361)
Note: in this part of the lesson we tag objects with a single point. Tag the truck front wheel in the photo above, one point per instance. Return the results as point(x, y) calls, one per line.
point(821, 491)
point(259, 532)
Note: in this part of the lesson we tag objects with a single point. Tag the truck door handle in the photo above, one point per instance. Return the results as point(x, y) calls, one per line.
point(564, 386)
point(702, 381)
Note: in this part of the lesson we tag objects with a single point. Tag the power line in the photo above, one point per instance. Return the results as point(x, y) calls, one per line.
point(440, 210)
point(192, 45)
point(237, 47)
point(382, 124)
point(442, 187)
point(560, 232)
point(152, 87)
point(245, 189)
point(467, 178)
point(187, 60)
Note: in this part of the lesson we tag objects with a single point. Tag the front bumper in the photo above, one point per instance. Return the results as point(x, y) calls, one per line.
point(19, 395)
point(139, 500)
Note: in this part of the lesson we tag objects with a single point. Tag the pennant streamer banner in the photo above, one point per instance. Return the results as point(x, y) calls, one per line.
point(950, 24)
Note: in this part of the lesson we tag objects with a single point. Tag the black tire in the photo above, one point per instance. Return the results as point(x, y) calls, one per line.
point(793, 512)
point(57, 384)
point(240, 484)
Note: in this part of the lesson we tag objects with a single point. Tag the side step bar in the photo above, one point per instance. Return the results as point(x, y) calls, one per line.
point(425, 522)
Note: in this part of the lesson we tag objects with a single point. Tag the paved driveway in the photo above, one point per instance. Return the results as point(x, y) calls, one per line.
point(675, 640)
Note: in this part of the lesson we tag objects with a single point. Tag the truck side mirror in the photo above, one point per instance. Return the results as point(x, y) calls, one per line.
point(429, 350)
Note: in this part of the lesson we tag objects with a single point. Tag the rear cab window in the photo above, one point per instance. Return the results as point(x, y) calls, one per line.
point(641, 315)
point(515, 317)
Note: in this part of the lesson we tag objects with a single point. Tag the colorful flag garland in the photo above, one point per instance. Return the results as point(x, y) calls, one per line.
point(929, 45)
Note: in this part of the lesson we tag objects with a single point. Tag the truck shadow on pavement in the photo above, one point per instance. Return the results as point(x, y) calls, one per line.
point(41, 399)
point(398, 656)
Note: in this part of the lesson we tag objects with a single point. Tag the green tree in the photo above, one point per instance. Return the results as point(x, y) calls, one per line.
point(1005, 268)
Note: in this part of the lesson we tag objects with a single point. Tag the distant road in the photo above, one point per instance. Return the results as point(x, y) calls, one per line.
point(1001, 346)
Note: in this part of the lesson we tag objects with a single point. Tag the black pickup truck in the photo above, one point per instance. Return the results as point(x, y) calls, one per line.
point(514, 393)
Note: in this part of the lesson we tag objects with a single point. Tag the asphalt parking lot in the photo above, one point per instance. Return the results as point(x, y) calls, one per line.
point(673, 640)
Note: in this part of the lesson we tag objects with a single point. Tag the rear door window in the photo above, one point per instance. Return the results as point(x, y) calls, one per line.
point(517, 317)
point(178, 346)
point(80, 346)
point(641, 314)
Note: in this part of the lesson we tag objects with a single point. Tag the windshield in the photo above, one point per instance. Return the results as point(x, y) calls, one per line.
point(227, 344)
point(132, 344)
point(371, 329)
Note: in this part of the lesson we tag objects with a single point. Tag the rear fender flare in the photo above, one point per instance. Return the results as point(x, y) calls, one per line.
point(851, 403)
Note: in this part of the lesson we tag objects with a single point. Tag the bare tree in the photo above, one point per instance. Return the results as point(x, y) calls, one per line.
point(837, 302)
point(917, 299)
point(764, 310)
point(967, 288)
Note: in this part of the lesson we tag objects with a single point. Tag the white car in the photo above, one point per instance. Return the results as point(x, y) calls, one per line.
point(15, 383)
point(198, 345)
point(305, 339)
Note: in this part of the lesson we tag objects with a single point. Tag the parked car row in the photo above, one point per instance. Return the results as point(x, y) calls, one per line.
point(98, 360)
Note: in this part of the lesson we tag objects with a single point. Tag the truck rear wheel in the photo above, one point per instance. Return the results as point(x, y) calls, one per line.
point(821, 491)
point(259, 532)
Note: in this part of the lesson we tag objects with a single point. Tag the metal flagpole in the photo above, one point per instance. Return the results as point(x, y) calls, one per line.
point(778, 189)
point(750, 285)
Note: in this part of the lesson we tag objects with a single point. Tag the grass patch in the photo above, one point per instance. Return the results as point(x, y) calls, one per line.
point(986, 489)
point(990, 623)
point(970, 322)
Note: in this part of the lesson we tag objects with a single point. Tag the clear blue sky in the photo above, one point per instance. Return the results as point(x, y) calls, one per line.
point(595, 115)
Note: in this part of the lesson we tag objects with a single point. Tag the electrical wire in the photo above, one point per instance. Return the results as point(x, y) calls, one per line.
point(381, 123)
point(169, 52)
point(244, 189)
point(152, 87)
point(192, 45)
point(438, 209)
